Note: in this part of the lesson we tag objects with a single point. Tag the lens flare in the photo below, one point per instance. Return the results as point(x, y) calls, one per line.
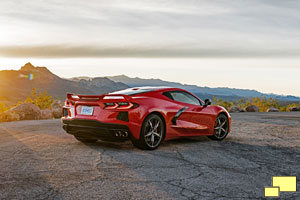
point(29, 76)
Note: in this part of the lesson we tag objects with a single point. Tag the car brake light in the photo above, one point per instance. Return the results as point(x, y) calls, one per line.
point(120, 105)
point(69, 102)
point(124, 105)
point(110, 105)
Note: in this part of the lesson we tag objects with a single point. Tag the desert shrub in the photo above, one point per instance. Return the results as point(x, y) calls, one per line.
point(287, 108)
point(2, 107)
point(264, 104)
point(43, 100)
point(223, 103)
point(261, 102)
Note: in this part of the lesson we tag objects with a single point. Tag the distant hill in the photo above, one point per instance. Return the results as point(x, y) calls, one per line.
point(99, 85)
point(16, 85)
point(230, 94)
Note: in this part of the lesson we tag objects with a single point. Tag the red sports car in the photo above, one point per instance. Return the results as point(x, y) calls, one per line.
point(145, 115)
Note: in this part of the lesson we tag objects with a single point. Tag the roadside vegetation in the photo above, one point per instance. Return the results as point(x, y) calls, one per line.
point(39, 98)
point(261, 102)
point(43, 100)
point(3, 107)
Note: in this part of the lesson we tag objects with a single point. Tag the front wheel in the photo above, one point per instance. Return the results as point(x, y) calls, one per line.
point(152, 133)
point(221, 127)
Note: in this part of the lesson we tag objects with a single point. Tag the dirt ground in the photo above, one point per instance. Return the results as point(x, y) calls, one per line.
point(38, 160)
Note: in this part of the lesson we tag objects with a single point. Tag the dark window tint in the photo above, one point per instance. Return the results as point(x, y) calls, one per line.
point(167, 94)
point(182, 96)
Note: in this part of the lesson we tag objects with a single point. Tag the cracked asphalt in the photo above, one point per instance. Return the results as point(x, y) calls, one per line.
point(38, 160)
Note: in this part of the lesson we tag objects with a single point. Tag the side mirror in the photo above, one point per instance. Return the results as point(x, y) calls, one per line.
point(207, 102)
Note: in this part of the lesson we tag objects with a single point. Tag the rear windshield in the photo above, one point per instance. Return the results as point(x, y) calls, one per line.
point(131, 92)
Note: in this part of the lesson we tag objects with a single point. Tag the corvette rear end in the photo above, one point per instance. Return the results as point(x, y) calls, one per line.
point(91, 117)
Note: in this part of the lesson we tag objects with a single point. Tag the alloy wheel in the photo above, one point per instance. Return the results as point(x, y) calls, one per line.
point(221, 127)
point(153, 131)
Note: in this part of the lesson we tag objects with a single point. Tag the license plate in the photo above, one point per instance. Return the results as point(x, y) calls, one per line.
point(87, 110)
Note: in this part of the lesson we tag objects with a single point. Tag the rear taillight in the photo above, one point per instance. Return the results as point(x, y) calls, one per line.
point(110, 105)
point(71, 99)
point(69, 102)
point(120, 105)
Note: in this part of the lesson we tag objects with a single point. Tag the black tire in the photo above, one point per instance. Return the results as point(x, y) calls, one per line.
point(152, 133)
point(221, 127)
point(85, 140)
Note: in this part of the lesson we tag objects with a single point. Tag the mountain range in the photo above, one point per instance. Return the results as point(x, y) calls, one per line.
point(16, 85)
point(229, 94)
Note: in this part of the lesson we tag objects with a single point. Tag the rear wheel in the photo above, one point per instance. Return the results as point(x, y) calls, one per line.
point(85, 140)
point(152, 133)
point(221, 127)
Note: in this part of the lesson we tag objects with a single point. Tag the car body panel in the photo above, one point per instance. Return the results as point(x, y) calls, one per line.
point(196, 120)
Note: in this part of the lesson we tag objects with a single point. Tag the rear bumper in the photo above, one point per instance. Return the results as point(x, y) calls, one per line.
point(96, 129)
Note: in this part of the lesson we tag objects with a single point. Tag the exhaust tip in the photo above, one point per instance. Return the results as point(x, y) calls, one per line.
point(118, 133)
point(125, 134)
point(121, 133)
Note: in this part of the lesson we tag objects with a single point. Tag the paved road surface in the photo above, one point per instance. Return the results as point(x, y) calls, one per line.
point(38, 160)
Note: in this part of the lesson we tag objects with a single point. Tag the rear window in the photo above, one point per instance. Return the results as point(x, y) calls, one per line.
point(131, 92)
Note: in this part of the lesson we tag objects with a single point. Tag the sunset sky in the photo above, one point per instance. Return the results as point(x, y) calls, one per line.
point(252, 44)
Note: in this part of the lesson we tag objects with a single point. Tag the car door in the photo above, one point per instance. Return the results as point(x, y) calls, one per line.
point(195, 118)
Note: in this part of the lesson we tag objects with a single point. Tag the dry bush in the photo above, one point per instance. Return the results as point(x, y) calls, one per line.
point(261, 102)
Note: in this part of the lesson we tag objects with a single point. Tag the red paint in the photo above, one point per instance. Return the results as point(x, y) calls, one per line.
point(195, 121)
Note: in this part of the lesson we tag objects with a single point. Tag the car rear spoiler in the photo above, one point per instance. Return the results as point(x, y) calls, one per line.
point(106, 97)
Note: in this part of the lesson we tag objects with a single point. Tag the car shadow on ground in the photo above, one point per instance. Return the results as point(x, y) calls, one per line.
point(129, 146)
